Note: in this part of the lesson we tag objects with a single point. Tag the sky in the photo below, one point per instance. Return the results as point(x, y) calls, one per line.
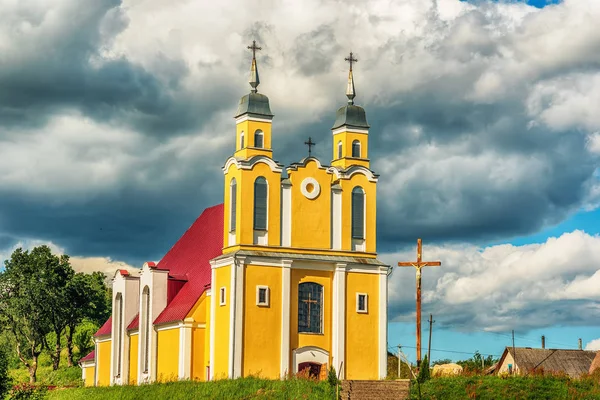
point(116, 118)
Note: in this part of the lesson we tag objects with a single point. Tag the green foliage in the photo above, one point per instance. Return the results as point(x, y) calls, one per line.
point(441, 362)
point(392, 368)
point(424, 373)
point(84, 339)
point(27, 391)
point(243, 388)
point(5, 380)
point(477, 363)
point(332, 378)
point(511, 388)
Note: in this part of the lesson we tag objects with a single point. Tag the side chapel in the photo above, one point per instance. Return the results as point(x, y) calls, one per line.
point(280, 278)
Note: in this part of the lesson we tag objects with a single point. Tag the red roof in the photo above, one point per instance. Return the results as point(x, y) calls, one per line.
point(105, 329)
point(89, 357)
point(190, 258)
point(135, 322)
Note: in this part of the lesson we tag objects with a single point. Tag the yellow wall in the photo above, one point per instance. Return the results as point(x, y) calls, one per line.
point(167, 355)
point(221, 367)
point(209, 299)
point(370, 189)
point(245, 204)
point(347, 138)
point(89, 376)
point(249, 127)
point(362, 330)
point(103, 363)
point(198, 366)
point(311, 219)
point(133, 358)
point(323, 340)
point(262, 340)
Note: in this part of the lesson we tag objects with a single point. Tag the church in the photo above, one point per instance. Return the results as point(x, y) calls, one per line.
point(280, 278)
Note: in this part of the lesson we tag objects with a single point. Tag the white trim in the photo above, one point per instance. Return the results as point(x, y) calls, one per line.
point(185, 352)
point(250, 163)
point(309, 354)
point(213, 310)
point(232, 283)
point(382, 326)
point(316, 188)
point(354, 169)
point(168, 327)
point(285, 317)
point(267, 302)
point(351, 130)
point(223, 262)
point(246, 117)
point(338, 328)
point(366, 310)
point(239, 317)
point(286, 218)
point(337, 220)
point(106, 339)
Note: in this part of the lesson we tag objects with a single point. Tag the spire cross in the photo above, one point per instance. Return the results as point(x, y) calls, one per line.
point(418, 265)
point(351, 60)
point(254, 47)
point(310, 144)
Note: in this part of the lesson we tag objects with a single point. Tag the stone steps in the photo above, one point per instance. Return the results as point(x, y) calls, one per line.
point(376, 390)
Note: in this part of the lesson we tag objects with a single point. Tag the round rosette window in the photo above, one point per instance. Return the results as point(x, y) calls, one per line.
point(310, 188)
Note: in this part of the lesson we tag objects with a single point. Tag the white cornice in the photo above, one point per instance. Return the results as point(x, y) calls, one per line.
point(349, 130)
point(246, 117)
point(251, 162)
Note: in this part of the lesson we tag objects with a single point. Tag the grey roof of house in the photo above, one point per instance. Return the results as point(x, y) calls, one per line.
point(572, 362)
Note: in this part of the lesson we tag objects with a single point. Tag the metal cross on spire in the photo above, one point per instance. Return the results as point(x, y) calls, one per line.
point(254, 80)
point(350, 91)
point(310, 144)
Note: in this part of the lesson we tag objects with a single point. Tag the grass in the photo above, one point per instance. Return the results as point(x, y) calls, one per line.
point(243, 388)
point(509, 388)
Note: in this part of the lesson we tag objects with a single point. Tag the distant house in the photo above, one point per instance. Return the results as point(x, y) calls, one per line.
point(525, 360)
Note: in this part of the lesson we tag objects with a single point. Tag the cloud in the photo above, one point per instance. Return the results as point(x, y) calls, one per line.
point(593, 345)
point(115, 117)
point(504, 287)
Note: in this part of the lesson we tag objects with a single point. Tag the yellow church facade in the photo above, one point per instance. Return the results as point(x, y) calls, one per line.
point(281, 278)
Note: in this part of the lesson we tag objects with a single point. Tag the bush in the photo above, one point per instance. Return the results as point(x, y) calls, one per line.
point(5, 380)
point(424, 373)
point(27, 391)
point(332, 378)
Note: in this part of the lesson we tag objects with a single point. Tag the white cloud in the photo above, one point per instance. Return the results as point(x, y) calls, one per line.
point(504, 287)
point(593, 345)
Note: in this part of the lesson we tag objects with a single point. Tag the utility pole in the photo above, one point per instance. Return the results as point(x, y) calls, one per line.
point(431, 321)
point(514, 353)
point(399, 360)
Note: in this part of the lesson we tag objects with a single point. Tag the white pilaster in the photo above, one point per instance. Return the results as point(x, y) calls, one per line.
point(383, 323)
point(286, 214)
point(336, 228)
point(232, 272)
point(339, 319)
point(185, 351)
point(213, 310)
point(286, 278)
point(240, 269)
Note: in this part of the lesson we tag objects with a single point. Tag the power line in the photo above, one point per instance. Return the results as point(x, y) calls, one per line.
point(456, 351)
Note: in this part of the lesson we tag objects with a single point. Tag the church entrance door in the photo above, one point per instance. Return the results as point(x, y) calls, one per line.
point(313, 369)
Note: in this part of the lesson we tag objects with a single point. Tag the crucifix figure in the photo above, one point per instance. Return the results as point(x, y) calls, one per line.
point(310, 144)
point(418, 265)
point(308, 302)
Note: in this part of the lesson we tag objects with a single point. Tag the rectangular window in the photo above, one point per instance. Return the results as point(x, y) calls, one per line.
point(358, 214)
point(361, 303)
point(222, 293)
point(233, 205)
point(310, 308)
point(262, 296)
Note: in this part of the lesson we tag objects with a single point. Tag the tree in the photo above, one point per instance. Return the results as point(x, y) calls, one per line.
point(4, 377)
point(24, 309)
point(424, 373)
point(478, 362)
point(90, 299)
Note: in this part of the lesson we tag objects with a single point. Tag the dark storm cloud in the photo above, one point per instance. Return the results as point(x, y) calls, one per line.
point(315, 51)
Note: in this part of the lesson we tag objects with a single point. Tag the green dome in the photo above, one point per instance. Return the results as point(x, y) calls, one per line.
point(254, 103)
point(351, 115)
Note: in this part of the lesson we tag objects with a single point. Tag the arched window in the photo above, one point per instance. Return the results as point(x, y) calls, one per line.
point(339, 149)
point(119, 306)
point(259, 139)
point(356, 149)
point(358, 213)
point(242, 140)
point(146, 322)
point(260, 203)
point(232, 205)
point(310, 308)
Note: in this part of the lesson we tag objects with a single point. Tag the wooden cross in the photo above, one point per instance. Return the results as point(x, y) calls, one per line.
point(351, 60)
point(309, 302)
point(418, 265)
point(254, 47)
point(310, 144)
